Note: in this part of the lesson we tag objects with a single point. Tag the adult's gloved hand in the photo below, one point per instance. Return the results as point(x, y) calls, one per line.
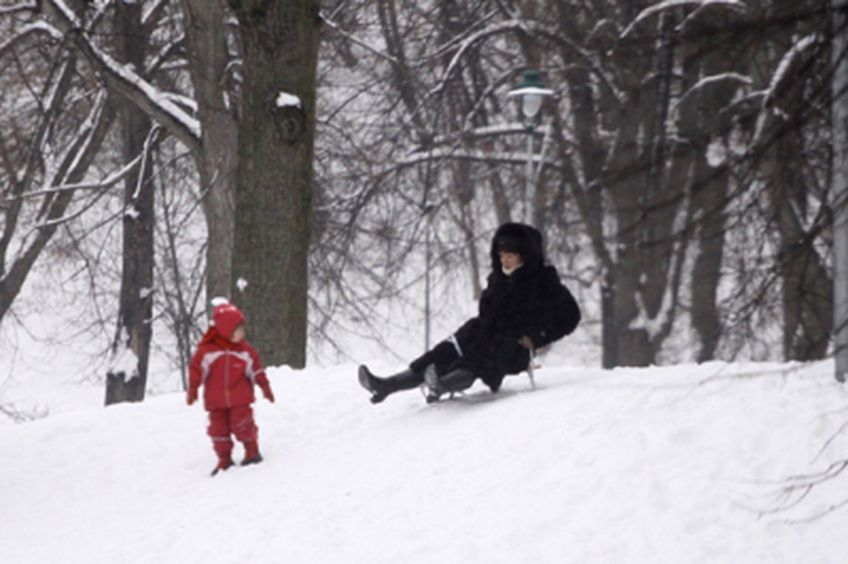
point(191, 396)
point(266, 391)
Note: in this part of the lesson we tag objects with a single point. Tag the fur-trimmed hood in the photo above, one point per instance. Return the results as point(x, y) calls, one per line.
point(518, 238)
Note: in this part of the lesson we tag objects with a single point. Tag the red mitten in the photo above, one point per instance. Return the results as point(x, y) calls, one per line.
point(266, 391)
point(191, 396)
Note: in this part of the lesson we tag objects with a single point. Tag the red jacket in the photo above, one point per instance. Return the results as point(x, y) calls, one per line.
point(226, 370)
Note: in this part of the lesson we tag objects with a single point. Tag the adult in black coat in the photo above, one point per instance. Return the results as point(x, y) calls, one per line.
point(524, 307)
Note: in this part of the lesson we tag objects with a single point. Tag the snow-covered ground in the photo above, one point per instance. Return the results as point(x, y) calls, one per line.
point(681, 464)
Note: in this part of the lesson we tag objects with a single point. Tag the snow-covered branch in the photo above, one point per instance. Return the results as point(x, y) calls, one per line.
point(708, 80)
point(28, 30)
point(107, 182)
point(443, 153)
point(468, 43)
point(497, 130)
point(17, 8)
point(124, 80)
point(530, 28)
point(781, 73)
point(737, 5)
point(779, 79)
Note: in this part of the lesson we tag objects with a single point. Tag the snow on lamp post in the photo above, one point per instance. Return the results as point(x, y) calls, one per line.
point(530, 94)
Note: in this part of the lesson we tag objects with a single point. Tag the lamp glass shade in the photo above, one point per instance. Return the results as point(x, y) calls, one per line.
point(531, 103)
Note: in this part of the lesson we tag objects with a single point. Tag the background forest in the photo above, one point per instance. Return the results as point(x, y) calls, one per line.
point(682, 172)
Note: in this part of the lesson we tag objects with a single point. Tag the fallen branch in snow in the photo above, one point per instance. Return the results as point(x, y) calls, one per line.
point(796, 489)
point(17, 416)
point(830, 440)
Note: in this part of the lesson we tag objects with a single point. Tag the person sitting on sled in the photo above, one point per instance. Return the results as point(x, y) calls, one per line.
point(524, 307)
point(228, 366)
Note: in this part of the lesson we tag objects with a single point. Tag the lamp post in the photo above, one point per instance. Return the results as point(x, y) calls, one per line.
point(530, 94)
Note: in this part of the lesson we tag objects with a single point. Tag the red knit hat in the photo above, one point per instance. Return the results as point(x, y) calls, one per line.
point(226, 317)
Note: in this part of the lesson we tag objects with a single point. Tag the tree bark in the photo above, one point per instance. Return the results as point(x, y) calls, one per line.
point(205, 26)
point(806, 284)
point(135, 314)
point(704, 120)
point(275, 173)
point(839, 181)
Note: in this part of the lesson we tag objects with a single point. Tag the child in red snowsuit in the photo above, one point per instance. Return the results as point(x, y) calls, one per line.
point(228, 366)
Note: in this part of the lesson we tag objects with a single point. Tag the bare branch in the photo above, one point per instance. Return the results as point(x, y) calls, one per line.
point(18, 8)
point(353, 39)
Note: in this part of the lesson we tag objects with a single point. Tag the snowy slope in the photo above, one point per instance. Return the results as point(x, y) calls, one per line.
point(673, 464)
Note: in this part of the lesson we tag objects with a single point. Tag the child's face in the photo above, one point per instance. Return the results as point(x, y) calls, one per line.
point(238, 334)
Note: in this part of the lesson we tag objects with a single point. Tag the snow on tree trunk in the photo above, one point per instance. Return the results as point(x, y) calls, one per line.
point(275, 173)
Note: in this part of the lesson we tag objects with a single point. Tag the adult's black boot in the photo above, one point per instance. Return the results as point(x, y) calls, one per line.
point(381, 388)
point(454, 381)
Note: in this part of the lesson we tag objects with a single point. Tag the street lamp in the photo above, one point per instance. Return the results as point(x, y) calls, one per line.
point(530, 94)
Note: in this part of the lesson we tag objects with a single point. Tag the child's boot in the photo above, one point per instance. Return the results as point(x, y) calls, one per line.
point(224, 451)
point(222, 465)
point(251, 453)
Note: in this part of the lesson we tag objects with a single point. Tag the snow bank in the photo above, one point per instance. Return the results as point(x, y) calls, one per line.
point(676, 464)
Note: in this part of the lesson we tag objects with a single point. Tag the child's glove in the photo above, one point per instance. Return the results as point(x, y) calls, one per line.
point(191, 395)
point(266, 391)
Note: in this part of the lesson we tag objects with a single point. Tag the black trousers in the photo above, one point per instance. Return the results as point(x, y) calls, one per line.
point(488, 357)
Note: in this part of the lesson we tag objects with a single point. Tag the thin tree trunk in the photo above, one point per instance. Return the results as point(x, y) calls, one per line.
point(839, 181)
point(807, 299)
point(209, 58)
point(136, 300)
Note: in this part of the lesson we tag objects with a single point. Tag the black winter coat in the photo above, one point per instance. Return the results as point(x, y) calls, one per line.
point(530, 302)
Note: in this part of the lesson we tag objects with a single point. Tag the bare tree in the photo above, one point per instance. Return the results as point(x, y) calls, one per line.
point(656, 153)
point(47, 157)
point(211, 142)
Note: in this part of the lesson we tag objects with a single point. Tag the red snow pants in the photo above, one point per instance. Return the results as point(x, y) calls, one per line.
point(238, 421)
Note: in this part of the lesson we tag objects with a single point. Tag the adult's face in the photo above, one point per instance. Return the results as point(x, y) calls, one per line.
point(509, 260)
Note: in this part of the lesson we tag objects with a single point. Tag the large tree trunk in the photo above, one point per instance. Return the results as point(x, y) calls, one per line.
point(275, 173)
point(806, 288)
point(636, 185)
point(135, 316)
point(704, 120)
